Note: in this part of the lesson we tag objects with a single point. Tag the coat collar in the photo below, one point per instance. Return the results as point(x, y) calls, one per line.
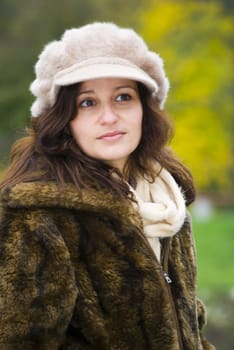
point(50, 195)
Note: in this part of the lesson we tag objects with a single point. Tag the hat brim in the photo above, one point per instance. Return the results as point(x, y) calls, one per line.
point(80, 73)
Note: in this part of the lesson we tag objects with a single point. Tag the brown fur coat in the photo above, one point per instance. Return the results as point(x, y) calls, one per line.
point(76, 273)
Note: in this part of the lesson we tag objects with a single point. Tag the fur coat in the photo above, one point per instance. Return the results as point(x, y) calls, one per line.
point(77, 273)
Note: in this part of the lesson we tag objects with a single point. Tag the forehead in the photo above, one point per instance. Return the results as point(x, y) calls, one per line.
point(107, 83)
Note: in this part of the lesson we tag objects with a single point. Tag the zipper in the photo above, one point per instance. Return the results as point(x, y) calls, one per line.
point(167, 277)
point(164, 258)
point(164, 268)
point(164, 264)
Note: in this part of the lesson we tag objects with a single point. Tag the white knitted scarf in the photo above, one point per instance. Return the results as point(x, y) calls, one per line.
point(161, 206)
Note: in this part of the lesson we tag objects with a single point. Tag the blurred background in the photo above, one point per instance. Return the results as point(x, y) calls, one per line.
point(195, 39)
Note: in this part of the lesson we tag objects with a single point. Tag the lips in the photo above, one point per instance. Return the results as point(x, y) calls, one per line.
point(111, 135)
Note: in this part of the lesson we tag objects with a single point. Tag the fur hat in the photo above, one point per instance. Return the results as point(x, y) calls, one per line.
point(96, 50)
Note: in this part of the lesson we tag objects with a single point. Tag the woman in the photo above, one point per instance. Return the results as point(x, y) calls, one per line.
point(96, 246)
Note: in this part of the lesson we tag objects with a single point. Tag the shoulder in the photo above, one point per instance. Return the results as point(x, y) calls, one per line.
point(51, 197)
point(185, 235)
point(183, 242)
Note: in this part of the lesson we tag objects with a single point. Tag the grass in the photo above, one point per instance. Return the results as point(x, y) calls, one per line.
point(214, 241)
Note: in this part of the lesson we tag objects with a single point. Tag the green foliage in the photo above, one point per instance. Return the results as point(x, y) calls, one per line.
point(194, 38)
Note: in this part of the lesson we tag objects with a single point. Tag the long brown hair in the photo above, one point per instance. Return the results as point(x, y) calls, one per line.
point(50, 153)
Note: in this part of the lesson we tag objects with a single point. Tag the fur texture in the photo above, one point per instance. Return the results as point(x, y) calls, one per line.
point(76, 273)
point(93, 51)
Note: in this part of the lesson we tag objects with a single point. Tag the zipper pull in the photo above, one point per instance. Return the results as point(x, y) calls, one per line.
point(167, 278)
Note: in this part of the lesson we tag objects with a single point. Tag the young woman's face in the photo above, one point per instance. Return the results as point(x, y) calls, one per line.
point(109, 119)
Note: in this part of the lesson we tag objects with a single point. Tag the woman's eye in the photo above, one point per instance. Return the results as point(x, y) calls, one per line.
point(123, 97)
point(86, 103)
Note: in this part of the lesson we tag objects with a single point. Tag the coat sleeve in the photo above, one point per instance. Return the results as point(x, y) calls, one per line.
point(201, 314)
point(37, 283)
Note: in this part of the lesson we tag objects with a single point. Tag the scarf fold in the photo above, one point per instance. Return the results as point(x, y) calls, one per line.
point(161, 206)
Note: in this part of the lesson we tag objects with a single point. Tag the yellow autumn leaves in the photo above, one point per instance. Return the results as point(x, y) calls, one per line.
point(194, 38)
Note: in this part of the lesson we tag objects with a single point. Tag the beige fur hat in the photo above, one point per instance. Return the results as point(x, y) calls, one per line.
point(96, 50)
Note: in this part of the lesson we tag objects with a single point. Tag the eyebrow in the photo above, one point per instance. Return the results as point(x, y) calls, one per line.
point(85, 92)
point(117, 88)
point(126, 86)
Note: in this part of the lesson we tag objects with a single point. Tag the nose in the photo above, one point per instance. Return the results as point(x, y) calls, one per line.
point(108, 115)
